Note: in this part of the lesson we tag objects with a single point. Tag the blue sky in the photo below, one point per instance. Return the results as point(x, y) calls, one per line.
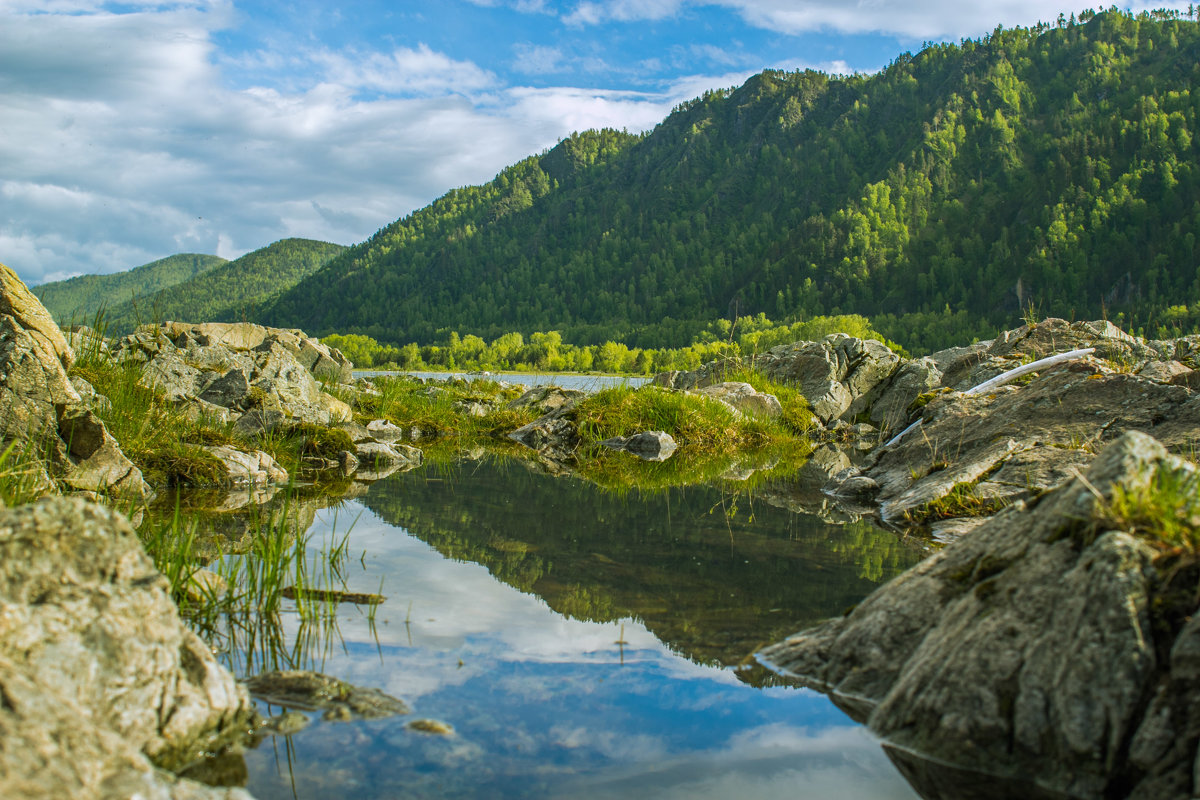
point(132, 131)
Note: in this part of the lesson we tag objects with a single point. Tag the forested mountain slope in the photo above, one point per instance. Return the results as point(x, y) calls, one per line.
point(235, 291)
point(1053, 167)
point(78, 299)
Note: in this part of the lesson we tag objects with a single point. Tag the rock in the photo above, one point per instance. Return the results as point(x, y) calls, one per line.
point(1042, 429)
point(89, 397)
point(348, 462)
point(33, 386)
point(647, 445)
point(312, 691)
point(1164, 371)
point(95, 461)
point(383, 430)
point(260, 421)
point(551, 435)
point(433, 726)
point(100, 677)
point(1027, 649)
point(851, 484)
point(231, 390)
point(471, 408)
point(911, 380)
point(28, 314)
point(203, 585)
point(380, 454)
point(1191, 380)
point(323, 361)
point(546, 399)
point(254, 468)
point(744, 398)
point(239, 367)
point(840, 375)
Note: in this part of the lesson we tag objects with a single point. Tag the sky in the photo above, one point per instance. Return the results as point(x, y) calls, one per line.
point(133, 131)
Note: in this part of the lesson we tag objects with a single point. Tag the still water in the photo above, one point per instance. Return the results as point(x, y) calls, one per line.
point(582, 644)
point(584, 383)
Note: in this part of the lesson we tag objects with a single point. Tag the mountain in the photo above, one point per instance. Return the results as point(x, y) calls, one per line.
point(231, 292)
point(1051, 170)
point(78, 299)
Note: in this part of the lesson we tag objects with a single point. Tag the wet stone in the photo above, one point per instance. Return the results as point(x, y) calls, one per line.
point(311, 691)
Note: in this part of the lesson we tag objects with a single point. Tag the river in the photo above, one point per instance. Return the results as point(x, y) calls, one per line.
point(581, 643)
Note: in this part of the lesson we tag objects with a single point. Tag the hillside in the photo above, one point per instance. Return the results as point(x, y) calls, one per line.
point(234, 291)
point(1052, 169)
point(78, 299)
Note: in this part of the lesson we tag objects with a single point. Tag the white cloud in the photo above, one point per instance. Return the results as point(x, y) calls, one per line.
point(537, 59)
point(924, 19)
point(404, 71)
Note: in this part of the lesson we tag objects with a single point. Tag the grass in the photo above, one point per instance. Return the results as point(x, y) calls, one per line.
point(436, 409)
point(696, 422)
point(1166, 512)
point(21, 474)
point(963, 500)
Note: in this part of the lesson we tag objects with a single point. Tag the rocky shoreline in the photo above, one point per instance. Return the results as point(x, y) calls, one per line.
point(1052, 637)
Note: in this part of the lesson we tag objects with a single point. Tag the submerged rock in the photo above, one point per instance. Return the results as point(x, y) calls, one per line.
point(312, 691)
point(101, 680)
point(1029, 648)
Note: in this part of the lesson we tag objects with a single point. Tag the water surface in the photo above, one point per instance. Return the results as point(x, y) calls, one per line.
point(584, 383)
point(582, 644)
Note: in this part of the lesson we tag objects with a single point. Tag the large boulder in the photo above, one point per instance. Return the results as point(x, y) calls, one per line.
point(100, 678)
point(239, 368)
point(29, 314)
point(1018, 440)
point(41, 410)
point(94, 459)
point(1055, 645)
point(840, 375)
point(324, 362)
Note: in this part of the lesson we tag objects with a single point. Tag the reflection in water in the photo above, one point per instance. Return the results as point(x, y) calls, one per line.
point(545, 619)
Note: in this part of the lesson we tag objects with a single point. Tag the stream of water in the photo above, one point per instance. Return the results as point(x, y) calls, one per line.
point(581, 643)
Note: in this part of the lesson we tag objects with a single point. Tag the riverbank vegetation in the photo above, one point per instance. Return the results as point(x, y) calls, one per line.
point(548, 352)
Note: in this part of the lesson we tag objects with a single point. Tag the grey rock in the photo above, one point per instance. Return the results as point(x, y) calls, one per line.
point(1024, 649)
point(647, 445)
point(384, 430)
point(231, 390)
point(912, 379)
point(89, 397)
point(28, 314)
point(743, 398)
point(1042, 429)
point(101, 679)
point(255, 468)
point(94, 459)
point(546, 399)
point(312, 691)
point(840, 375)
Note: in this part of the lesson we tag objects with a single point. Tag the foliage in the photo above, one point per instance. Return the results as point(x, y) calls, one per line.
point(231, 292)
point(21, 474)
point(439, 408)
point(1166, 512)
point(694, 421)
point(1055, 166)
point(547, 352)
point(82, 297)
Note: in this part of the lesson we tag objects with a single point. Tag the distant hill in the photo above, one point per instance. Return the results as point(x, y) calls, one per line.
point(231, 292)
point(1054, 169)
point(78, 299)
